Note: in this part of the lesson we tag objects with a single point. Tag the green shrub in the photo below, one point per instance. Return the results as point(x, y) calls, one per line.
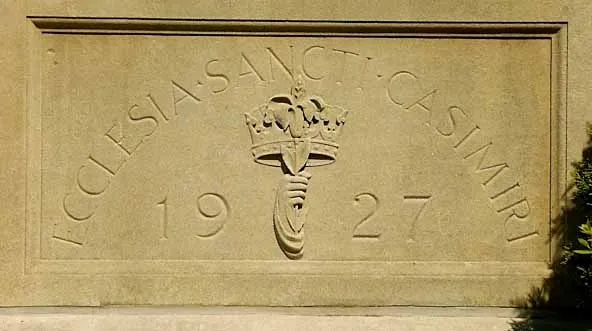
point(586, 242)
point(577, 259)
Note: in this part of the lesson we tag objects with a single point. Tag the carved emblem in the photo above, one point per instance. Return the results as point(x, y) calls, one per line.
point(293, 132)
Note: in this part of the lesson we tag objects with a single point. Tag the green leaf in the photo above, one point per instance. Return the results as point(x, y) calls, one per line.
point(586, 229)
point(584, 243)
point(583, 251)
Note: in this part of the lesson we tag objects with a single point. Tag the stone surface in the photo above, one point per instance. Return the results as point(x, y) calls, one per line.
point(204, 319)
point(185, 319)
point(286, 155)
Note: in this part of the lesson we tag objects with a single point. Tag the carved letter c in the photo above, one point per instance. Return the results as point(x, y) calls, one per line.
point(71, 215)
point(304, 70)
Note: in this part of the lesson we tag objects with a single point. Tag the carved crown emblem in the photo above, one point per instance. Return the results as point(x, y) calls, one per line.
point(294, 131)
point(294, 117)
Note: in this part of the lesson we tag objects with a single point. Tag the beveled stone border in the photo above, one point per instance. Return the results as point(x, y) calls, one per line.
point(555, 32)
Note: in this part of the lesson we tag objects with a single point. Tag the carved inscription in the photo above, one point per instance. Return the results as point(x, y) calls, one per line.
point(293, 131)
point(368, 205)
point(117, 146)
point(165, 218)
point(366, 199)
point(212, 212)
point(420, 201)
point(405, 90)
point(272, 64)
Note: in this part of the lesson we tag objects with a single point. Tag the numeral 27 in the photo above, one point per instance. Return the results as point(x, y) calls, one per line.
point(362, 200)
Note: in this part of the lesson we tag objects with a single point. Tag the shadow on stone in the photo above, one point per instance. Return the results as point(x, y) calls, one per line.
point(544, 324)
point(564, 300)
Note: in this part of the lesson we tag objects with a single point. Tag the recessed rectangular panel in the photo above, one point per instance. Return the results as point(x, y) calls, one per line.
point(303, 152)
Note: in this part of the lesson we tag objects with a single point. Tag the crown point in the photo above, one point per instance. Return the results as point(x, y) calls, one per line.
point(298, 89)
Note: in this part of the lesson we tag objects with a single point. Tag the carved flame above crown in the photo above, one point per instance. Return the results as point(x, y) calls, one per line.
point(287, 119)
